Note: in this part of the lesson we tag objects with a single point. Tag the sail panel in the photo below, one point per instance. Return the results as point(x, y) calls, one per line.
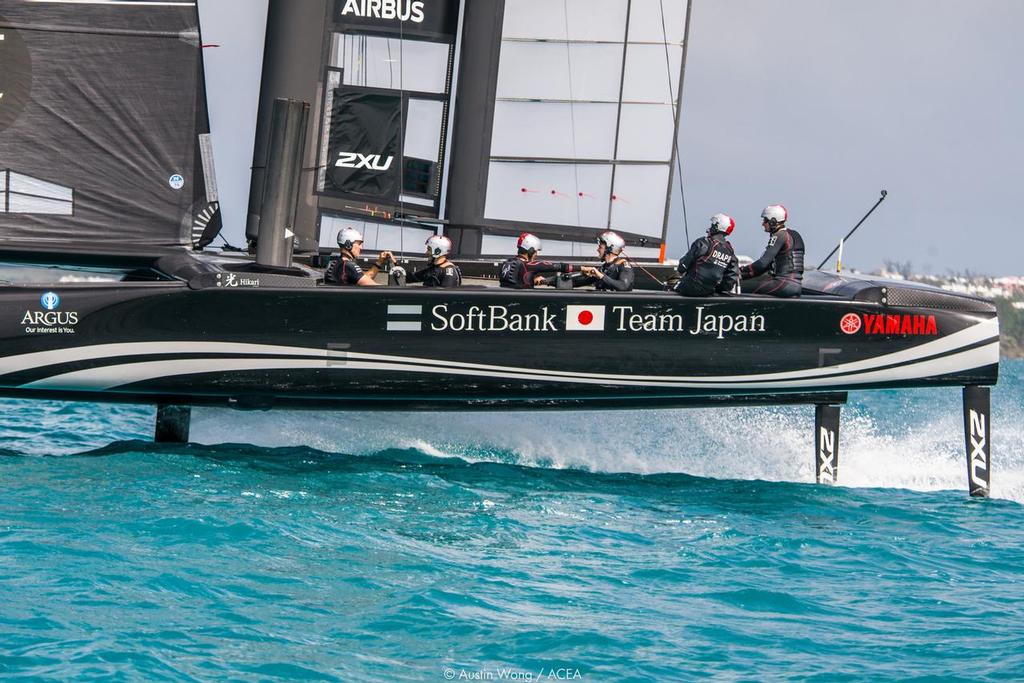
point(560, 71)
point(555, 130)
point(639, 194)
point(646, 132)
point(586, 20)
point(104, 150)
point(583, 119)
point(560, 194)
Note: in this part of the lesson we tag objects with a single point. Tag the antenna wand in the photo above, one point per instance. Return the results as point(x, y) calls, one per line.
point(880, 200)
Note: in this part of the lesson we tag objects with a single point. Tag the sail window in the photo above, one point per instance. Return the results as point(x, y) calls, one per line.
point(20, 193)
point(392, 63)
point(423, 128)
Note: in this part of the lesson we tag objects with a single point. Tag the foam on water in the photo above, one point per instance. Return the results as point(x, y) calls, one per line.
point(910, 439)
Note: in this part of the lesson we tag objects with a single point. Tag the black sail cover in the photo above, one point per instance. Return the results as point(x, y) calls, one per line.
point(364, 143)
point(100, 115)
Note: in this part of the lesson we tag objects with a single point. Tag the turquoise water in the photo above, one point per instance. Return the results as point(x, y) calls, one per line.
point(657, 545)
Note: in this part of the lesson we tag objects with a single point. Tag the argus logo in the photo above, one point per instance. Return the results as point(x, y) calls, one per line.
point(50, 301)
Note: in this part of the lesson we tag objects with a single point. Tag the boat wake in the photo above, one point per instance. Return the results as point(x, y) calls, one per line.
point(772, 444)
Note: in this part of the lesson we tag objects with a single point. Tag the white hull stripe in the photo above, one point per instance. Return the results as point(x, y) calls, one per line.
point(975, 334)
point(114, 376)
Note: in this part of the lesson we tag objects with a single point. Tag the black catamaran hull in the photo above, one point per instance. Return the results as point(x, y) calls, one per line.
point(260, 347)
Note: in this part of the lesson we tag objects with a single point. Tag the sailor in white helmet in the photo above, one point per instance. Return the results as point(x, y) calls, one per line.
point(524, 271)
point(440, 272)
point(783, 258)
point(710, 266)
point(615, 274)
point(345, 270)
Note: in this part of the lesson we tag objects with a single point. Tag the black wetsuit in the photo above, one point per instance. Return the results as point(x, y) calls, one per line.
point(519, 274)
point(343, 270)
point(709, 266)
point(618, 277)
point(434, 275)
point(784, 259)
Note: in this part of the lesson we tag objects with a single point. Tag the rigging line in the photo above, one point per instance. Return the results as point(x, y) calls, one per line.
point(391, 66)
point(572, 111)
point(646, 272)
point(675, 115)
point(401, 130)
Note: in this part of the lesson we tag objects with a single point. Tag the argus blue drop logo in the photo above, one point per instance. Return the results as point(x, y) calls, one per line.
point(50, 301)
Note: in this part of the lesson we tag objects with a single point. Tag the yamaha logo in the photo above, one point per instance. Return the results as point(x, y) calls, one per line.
point(901, 324)
point(50, 301)
point(850, 324)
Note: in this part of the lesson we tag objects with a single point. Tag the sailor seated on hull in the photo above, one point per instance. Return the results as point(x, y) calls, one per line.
point(523, 271)
point(345, 271)
point(710, 266)
point(615, 274)
point(783, 258)
point(440, 272)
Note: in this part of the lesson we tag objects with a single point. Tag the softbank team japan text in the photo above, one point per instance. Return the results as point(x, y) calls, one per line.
point(447, 318)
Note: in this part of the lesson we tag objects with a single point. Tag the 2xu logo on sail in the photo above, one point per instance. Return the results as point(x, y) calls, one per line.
point(357, 160)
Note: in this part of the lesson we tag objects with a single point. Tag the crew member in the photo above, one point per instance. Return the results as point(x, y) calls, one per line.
point(524, 271)
point(783, 258)
point(344, 269)
point(710, 266)
point(614, 274)
point(440, 272)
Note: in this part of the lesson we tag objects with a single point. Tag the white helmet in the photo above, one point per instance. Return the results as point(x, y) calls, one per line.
point(528, 242)
point(723, 223)
point(439, 245)
point(349, 236)
point(775, 214)
point(611, 242)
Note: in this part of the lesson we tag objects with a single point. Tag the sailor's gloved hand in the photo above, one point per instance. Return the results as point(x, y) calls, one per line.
point(590, 271)
point(385, 257)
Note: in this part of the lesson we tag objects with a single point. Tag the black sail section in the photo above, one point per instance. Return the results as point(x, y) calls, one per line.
point(99, 122)
point(364, 143)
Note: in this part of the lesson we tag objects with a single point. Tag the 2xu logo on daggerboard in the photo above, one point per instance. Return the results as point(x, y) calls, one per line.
point(899, 324)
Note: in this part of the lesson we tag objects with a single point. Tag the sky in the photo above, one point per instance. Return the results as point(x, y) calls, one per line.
point(814, 104)
point(820, 104)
